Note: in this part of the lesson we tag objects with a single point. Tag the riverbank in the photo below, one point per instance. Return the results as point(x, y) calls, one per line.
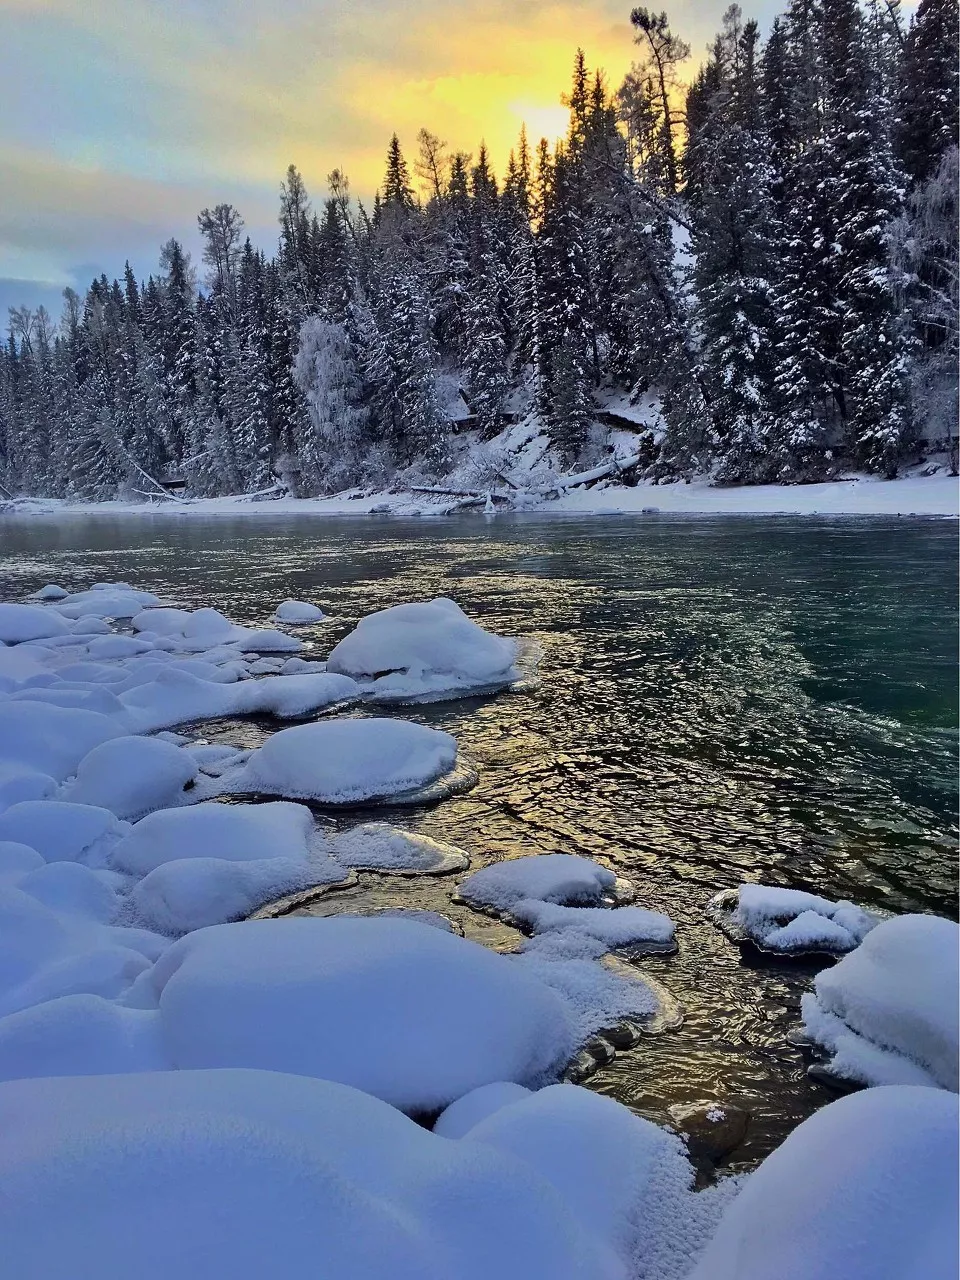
point(859, 495)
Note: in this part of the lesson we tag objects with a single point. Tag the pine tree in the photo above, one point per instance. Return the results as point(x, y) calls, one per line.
point(928, 89)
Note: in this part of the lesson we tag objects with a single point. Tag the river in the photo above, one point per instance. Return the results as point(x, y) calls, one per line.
point(764, 698)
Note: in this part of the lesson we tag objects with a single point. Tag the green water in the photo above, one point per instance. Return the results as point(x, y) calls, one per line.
point(719, 699)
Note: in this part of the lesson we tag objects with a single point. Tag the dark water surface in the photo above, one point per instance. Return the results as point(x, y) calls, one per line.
point(720, 699)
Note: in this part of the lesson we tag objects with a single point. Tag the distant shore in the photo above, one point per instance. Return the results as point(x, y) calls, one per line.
point(936, 495)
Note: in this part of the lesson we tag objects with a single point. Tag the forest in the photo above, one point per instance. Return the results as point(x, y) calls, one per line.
point(756, 267)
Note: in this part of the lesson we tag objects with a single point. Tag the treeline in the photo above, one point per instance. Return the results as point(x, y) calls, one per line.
point(771, 254)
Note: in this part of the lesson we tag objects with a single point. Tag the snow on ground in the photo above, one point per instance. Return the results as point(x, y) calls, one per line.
point(889, 1011)
point(865, 1188)
point(857, 495)
point(790, 921)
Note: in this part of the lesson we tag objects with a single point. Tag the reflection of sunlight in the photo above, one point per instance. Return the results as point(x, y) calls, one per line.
point(550, 122)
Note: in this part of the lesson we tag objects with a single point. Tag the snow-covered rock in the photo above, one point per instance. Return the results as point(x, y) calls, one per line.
point(62, 831)
point(789, 920)
point(888, 1012)
point(109, 601)
point(461, 1116)
point(23, 622)
point(131, 776)
point(616, 927)
point(411, 1014)
point(865, 1188)
point(230, 832)
point(347, 761)
point(258, 1174)
point(424, 649)
point(553, 877)
point(174, 696)
point(378, 846)
point(51, 740)
point(297, 613)
point(192, 893)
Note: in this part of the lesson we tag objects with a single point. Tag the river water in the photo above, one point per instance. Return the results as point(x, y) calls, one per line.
point(719, 699)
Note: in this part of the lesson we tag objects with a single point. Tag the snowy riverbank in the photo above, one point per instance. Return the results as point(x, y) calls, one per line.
point(936, 495)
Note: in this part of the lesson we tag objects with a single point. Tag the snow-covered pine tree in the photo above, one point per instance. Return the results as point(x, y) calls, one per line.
point(865, 194)
point(733, 216)
point(334, 435)
point(927, 107)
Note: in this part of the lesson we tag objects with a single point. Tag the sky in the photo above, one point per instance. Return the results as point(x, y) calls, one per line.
point(121, 119)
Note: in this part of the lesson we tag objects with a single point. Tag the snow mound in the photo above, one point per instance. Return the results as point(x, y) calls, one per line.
point(192, 893)
point(610, 1166)
point(789, 920)
point(377, 846)
point(250, 1174)
point(428, 648)
point(347, 761)
point(23, 622)
point(205, 629)
point(408, 1013)
point(228, 832)
point(62, 831)
point(616, 927)
point(47, 953)
point(108, 601)
point(889, 1010)
point(131, 776)
point(79, 1035)
point(297, 613)
point(467, 1112)
point(867, 1187)
point(553, 877)
point(51, 740)
point(50, 592)
point(174, 696)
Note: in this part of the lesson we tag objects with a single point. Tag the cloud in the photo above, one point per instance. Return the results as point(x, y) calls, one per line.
point(119, 119)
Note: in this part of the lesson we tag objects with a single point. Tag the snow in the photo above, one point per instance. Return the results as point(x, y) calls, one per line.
point(20, 622)
point(461, 1116)
point(111, 600)
point(346, 761)
point(176, 696)
point(130, 776)
point(61, 831)
point(865, 1188)
point(789, 920)
point(192, 893)
point(555, 877)
point(424, 648)
point(254, 1174)
point(79, 1035)
point(615, 927)
point(403, 1011)
point(297, 613)
point(889, 1009)
point(379, 846)
point(234, 832)
point(51, 740)
point(856, 495)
